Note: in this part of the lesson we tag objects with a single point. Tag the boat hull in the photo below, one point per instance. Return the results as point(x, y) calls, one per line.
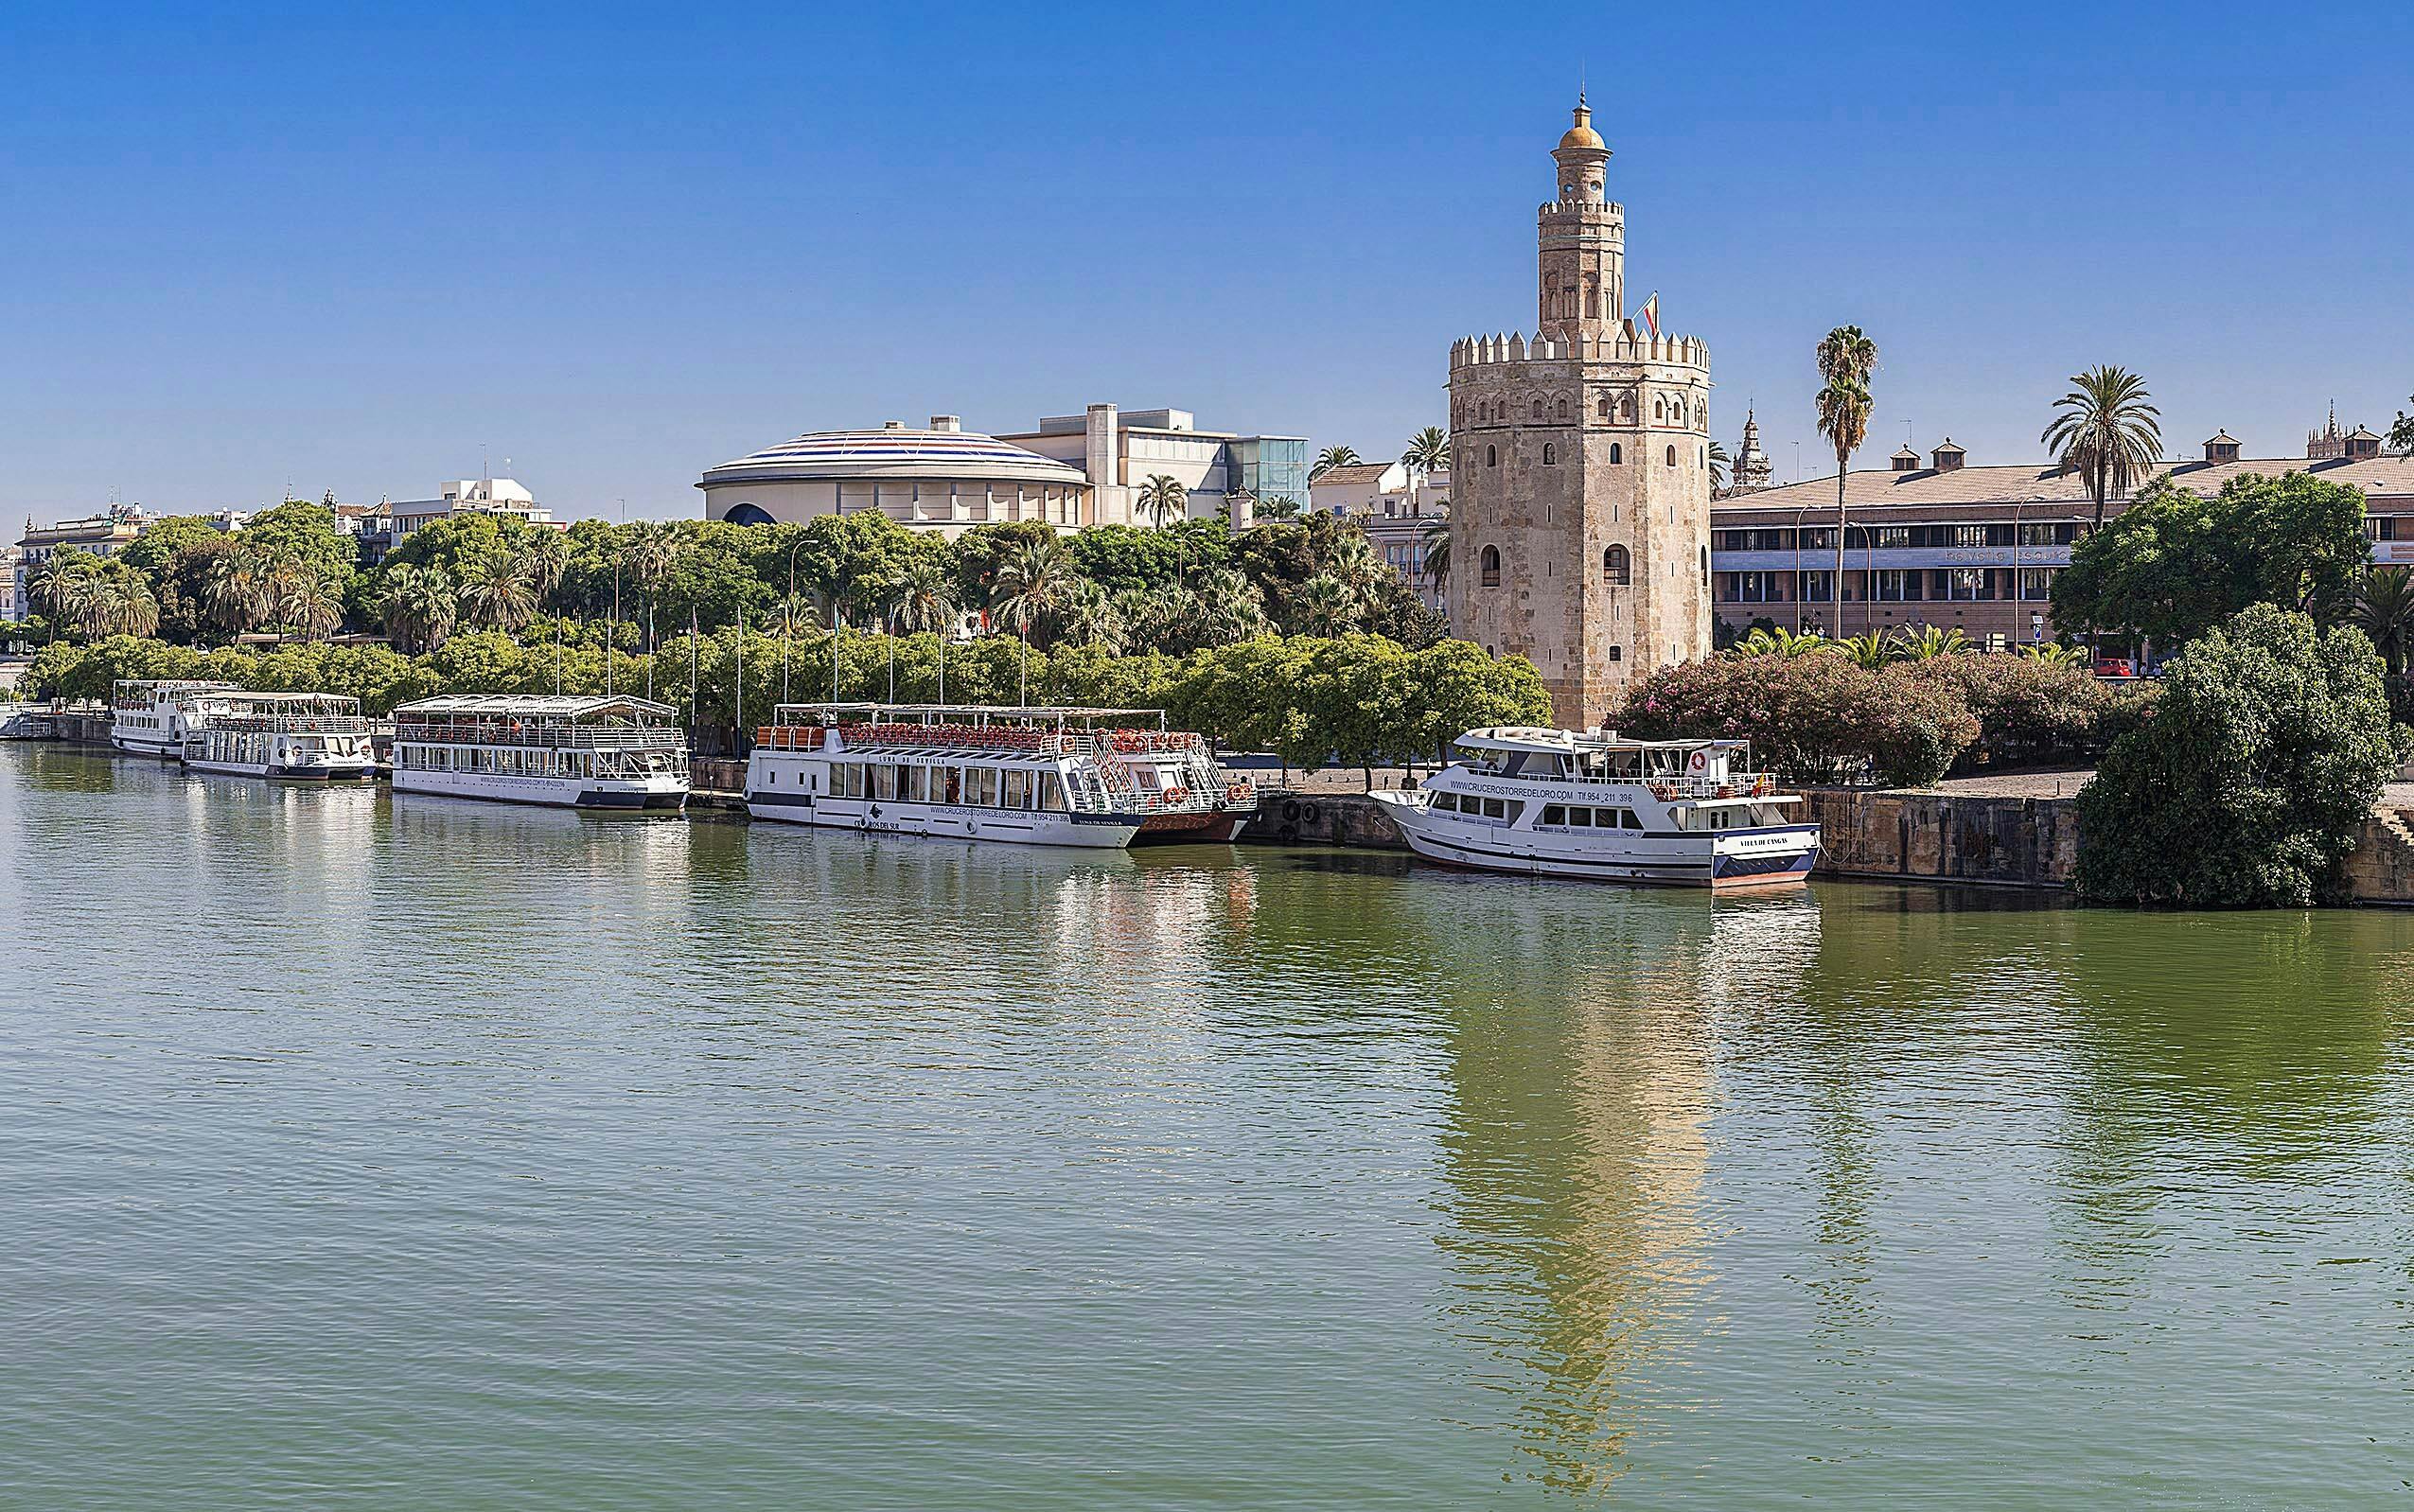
point(942, 821)
point(158, 747)
point(281, 772)
point(1730, 861)
point(622, 795)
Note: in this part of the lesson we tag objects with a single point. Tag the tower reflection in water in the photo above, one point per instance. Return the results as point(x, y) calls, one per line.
point(1576, 1148)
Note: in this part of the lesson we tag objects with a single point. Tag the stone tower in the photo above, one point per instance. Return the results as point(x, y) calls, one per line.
point(1579, 531)
point(1751, 471)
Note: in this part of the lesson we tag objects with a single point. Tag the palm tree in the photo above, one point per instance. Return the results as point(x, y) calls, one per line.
point(497, 590)
point(1846, 359)
point(1088, 616)
point(1224, 609)
point(2055, 654)
point(1428, 453)
point(1163, 499)
point(1330, 458)
point(2385, 611)
point(1869, 648)
point(61, 585)
point(285, 579)
point(1355, 561)
point(1928, 642)
point(1434, 542)
point(1281, 506)
point(926, 600)
point(652, 555)
point(1720, 464)
point(1782, 642)
point(313, 606)
point(237, 592)
point(2107, 432)
point(1030, 584)
point(417, 606)
point(1326, 604)
point(2401, 435)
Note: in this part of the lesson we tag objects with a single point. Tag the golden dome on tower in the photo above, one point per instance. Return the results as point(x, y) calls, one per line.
point(1581, 134)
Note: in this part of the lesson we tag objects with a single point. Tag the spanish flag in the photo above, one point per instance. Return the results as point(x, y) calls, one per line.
point(1652, 314)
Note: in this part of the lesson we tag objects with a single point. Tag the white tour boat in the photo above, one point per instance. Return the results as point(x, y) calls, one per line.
point(316, 736)
point(571, 751)
point(1039, 776)
point(1552, 802)
point(151, 716)
point(25, 722)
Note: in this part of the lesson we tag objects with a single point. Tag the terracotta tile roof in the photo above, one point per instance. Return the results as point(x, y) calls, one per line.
point(2381, 477)
point(1355, 473)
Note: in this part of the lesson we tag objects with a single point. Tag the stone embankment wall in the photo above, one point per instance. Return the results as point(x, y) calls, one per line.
point(2381, 867)
point(2020, 842)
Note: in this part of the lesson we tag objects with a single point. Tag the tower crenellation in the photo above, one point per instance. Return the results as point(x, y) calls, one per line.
point(1580, 492)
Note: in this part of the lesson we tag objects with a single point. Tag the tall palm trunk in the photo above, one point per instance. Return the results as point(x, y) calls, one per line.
point(1836, 590)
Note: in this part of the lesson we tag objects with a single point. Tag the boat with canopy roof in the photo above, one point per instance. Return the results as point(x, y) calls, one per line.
point(1561, 803)
point(584, 751)
point(316, 736)
point(1102, 778)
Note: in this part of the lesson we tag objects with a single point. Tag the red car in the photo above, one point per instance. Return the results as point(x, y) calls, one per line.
point(2115, 667)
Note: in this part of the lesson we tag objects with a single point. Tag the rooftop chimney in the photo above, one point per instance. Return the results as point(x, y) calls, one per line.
point(1949, 457)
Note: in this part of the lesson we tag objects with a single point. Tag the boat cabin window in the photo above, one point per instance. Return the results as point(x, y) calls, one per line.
point(1051, 793)
point(1014, 790)
point(1445, 803)
point(980, 786)
point(913, 785)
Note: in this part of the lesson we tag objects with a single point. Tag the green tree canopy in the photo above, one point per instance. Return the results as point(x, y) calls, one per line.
point(2246, 785)
point(2176, 563)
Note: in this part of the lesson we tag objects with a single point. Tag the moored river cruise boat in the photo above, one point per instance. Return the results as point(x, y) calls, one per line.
point(151, 716)
point(1558, 803)
point(1103, 778)
point(310, 736)
point(566, 750)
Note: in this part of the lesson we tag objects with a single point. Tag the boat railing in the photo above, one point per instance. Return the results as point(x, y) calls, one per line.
point(294, 723)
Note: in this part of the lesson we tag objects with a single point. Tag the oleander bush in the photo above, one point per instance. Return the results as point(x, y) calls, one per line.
point(1815, 718)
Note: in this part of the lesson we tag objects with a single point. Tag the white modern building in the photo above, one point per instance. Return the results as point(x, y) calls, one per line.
point(1381, 489)
point(944, 479)
point(1119, 451)
point(1075, 470)
point(102, 534)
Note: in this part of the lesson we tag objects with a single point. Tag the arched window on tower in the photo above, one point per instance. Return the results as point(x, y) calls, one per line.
point(1705, 566)
point(1488, 574)
point(1550, 455)
point(1605, 406)
point(1538, 409)
point(1491, 457)
point(1617, 568)
point(1562, 408)
point(1672, 456)
point(1659, 411)
point(1617, 454)
point(1626, 409)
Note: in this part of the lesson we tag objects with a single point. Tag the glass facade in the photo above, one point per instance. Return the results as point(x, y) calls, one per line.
point(1270, 467)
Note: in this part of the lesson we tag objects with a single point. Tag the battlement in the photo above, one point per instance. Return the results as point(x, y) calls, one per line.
point(1580, 209)
point(1481, 351)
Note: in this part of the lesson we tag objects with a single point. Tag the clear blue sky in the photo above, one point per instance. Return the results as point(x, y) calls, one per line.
point(619, 244)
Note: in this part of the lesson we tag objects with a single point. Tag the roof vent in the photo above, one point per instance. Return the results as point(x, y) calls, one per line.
point(1906, 460)
point(2222, 447)
point(1949, 457)
point(892, 425)
point(946, 422)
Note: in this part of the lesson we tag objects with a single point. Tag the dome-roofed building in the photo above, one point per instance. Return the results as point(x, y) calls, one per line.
point(944, 479)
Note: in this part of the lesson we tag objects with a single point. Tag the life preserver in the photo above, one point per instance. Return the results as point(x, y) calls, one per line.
point(1291, 811)
point(1310, 814)
point(1698, 761)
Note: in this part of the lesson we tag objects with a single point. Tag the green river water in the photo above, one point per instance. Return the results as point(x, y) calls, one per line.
point(411, 1152)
